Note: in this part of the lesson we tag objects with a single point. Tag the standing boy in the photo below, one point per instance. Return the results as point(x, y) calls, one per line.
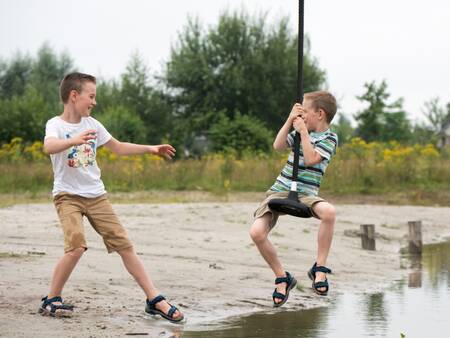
point(318, 144)
point(72, 139)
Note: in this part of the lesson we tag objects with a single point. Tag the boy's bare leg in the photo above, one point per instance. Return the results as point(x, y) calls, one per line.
point(136, 268)
point(259, 233)
point(327, 215)
point(62, 271)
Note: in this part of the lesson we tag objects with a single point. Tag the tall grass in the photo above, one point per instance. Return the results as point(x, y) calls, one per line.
point(358, 167)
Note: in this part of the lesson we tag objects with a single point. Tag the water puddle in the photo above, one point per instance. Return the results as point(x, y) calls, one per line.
point(416, 307)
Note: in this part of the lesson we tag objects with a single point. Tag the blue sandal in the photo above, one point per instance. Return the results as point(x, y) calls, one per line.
point(151, 309)
point(322, 284)
point(61, 310)
point(291, 283)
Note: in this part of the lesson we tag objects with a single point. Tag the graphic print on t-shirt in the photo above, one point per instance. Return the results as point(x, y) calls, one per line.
point(82, 155)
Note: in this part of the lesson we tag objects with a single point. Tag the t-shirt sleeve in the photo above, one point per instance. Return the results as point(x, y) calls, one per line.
point(103, 135)
point(51, 129)
point(327, 147)
point(290, 139)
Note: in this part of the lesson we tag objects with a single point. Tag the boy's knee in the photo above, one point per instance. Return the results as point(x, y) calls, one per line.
point(76, 253)
point(328, 212)
point(257, 234)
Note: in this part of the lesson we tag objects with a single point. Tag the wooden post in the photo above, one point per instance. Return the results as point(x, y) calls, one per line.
point(368, 236)
point(415, 237)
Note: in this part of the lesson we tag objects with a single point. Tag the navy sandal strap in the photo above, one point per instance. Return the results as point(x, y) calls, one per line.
point(171, 311)
point(323, 269)
point(60, 307)
point(52, 300)
point(280, 280)
point(278, 295)
point(322, 284)
point(154, 301)
point(287, 279)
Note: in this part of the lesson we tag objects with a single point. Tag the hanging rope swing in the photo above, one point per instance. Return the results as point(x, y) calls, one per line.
point(291, 204)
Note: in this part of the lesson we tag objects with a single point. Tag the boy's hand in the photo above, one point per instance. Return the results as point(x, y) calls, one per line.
point(164, 150)
point(299, 125)
point(295, 112)
point(84, 137)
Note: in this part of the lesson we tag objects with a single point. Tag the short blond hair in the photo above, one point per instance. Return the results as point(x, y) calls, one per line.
point(323, 100)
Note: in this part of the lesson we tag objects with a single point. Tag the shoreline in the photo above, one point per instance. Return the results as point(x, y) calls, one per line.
point(200, 256)
point(400, 198)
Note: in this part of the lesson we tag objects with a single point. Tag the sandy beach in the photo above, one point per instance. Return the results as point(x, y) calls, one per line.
point(200, 256)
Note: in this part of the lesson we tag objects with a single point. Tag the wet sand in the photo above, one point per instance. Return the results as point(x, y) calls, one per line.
point(200, 256)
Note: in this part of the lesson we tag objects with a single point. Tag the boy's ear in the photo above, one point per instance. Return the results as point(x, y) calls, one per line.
point(322, 114)
point(73, 95)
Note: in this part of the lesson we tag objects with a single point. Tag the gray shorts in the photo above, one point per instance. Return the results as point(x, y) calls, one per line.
point(264, 206)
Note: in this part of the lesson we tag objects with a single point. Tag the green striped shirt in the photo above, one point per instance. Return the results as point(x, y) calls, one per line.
point(309, 178)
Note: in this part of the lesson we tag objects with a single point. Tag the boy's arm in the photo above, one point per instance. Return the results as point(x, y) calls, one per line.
point(310, 155)
point(125, 148)
point(54, 145)
point(280, 141)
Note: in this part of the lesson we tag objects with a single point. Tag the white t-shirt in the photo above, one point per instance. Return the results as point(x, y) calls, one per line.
point(75, 169)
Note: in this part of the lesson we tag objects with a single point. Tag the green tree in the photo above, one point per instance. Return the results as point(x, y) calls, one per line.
point(239, 65)
point(47, 72)
point(436, 114)
point(23, 116)
point(382, 121)
point(146, 100)
point(422, 134)
point(242, 133)
point(123, 124)
point(14, 75)
point(343, 128)
point(29, 93)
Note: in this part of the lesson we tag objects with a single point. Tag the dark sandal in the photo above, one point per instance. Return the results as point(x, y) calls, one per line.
point(321, 284)
point(291, 283)
point(48, 308)
point(151, 309)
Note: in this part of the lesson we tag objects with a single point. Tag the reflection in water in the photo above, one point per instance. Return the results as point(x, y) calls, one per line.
point(375, 314)
point(280, 325)
point(415, 276)
point(436, 261)
point(417, 307)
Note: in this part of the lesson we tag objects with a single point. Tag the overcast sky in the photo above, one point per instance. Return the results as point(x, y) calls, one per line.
point(355, 41)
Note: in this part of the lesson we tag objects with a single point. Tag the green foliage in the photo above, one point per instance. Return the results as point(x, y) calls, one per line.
point(421, 171)
point(381, 120)
point(29, 93)
point(140, 99)
point(23, 116)
point(239, 65)
point(233, 82)
point(343, 129)
point(423, 134)
point(240, 134)
point(47, 73)
point(123, 124)
point(14, 75)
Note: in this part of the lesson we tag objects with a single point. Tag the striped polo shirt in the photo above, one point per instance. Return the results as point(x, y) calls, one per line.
point(309, 178)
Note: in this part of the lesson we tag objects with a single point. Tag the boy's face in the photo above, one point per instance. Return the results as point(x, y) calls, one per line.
point(85, 101)
point(311, 116)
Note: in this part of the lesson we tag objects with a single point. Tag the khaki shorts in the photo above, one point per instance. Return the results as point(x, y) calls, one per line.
point(264, 206)
point(99, 212)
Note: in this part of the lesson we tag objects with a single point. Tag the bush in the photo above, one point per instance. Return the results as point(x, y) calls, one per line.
point(123, 124)
point(241, 134)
